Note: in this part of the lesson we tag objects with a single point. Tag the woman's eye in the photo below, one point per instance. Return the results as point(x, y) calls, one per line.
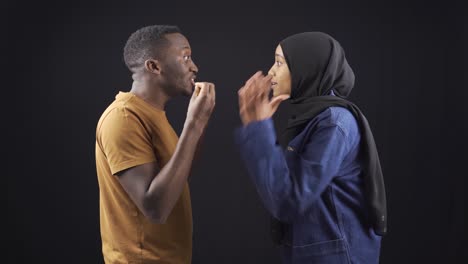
point(278, 63)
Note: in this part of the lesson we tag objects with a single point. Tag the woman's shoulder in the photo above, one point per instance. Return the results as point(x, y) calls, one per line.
point(341, 117)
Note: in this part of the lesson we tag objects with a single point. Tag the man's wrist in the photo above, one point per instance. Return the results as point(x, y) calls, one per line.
point(194, 126)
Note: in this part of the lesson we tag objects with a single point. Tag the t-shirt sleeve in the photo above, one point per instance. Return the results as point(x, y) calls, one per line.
point(124, 140)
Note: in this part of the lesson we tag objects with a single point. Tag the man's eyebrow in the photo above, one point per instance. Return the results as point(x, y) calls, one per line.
point(185, 47)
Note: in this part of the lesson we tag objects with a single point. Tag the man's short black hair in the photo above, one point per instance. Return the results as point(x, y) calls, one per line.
point(146, 43)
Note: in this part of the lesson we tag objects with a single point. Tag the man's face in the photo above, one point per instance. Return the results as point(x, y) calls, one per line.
point(281, 81)
point(179, 70)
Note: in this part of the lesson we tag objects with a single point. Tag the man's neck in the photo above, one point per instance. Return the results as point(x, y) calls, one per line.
point(155, 96)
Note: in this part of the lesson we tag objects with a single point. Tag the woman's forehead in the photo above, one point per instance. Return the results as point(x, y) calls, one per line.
point(279, 51)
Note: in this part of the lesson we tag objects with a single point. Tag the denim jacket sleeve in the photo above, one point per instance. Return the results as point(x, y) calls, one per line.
point(290, 181)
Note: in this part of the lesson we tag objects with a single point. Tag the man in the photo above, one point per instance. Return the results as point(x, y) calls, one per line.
point(142, 166)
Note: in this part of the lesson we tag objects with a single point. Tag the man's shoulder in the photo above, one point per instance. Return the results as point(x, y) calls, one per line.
point(115, 110)
point(118, 114)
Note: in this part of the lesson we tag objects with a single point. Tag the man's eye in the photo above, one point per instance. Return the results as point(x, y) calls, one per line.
point(186, 58)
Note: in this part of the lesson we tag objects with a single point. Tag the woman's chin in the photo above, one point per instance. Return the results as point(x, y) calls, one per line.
point(276, 93)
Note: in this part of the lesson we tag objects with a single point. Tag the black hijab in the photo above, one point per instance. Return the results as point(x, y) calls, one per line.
point(318, 66)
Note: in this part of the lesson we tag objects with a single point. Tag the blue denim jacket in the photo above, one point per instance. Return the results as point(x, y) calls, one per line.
point(314, 187)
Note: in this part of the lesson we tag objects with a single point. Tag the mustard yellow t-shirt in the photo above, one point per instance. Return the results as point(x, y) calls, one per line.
point(131, 132)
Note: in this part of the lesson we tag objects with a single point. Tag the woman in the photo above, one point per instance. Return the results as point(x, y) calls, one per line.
point(323, 183)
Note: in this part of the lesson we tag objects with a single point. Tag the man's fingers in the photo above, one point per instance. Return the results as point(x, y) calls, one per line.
point(203, 88)
point(211, 88)
point(213, 92)
point(196, 90)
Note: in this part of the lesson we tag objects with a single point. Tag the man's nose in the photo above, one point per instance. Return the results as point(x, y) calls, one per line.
point(194, 67)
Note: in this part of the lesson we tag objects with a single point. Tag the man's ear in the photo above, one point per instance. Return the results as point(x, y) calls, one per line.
point(153, 66)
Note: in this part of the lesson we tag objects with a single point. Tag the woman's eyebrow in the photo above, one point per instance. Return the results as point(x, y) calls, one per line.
point(279, 55)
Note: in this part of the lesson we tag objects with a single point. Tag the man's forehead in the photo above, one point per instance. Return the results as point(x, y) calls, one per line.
point(178, 40)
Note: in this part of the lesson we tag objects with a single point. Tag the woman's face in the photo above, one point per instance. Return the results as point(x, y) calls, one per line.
point(281, 81)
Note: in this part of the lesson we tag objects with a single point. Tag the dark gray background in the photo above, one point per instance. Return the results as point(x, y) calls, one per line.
point(64, 66)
